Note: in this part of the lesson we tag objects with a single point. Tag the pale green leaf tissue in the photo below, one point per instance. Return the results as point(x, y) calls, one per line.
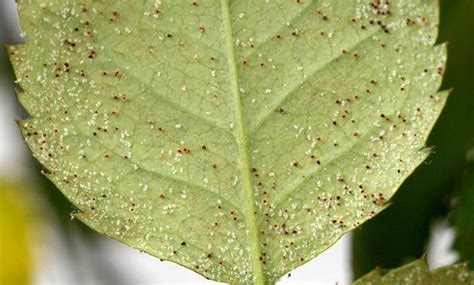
point(237, 138)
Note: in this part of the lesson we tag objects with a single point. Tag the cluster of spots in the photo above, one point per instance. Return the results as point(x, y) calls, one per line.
point(148, 135)
point(136, 176)
point(335, 129)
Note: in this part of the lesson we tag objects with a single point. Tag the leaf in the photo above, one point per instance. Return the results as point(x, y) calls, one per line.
point(401, 233)
point(419, 273)
point(237, 138)
point(16, 234)
point(463, 218)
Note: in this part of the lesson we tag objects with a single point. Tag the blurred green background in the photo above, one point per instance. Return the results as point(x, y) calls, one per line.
point(441, 189)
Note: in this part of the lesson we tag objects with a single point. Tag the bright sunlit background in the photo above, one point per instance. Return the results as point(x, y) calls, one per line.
point(58, 250)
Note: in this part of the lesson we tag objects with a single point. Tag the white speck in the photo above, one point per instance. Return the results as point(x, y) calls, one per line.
point(235, 181)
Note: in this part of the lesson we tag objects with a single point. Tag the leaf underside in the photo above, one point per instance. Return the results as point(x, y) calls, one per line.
point(237, 138)
point(384, 240)
point(418, 273)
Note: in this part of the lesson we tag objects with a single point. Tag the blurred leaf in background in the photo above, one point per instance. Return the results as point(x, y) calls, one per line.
point(17, 232)
point(401, 232)
point(418, 273)
point(7, 35)
point(463, 216)
point(16, 214)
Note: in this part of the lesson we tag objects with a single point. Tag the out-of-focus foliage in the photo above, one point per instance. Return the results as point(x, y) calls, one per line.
point(401, 232)
point(7, 35)
point(418, 273)
point(16, 234)
point(463, 218)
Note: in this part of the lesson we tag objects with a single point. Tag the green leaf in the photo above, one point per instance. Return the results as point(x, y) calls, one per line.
point(237, 138)
point(418, 273)
point(400, 233)
point(463, 217)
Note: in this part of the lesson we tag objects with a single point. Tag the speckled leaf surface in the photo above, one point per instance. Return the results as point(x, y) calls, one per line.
point(418, 273)
point(237, 138)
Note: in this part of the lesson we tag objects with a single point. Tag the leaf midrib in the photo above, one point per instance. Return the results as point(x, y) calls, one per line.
point(243, 151)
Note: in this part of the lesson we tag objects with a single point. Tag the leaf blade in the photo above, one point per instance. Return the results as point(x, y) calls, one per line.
point(240, 164)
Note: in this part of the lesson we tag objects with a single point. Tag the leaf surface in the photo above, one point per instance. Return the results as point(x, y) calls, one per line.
point(401, 233)
point(237, 138)
point(418, 273)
